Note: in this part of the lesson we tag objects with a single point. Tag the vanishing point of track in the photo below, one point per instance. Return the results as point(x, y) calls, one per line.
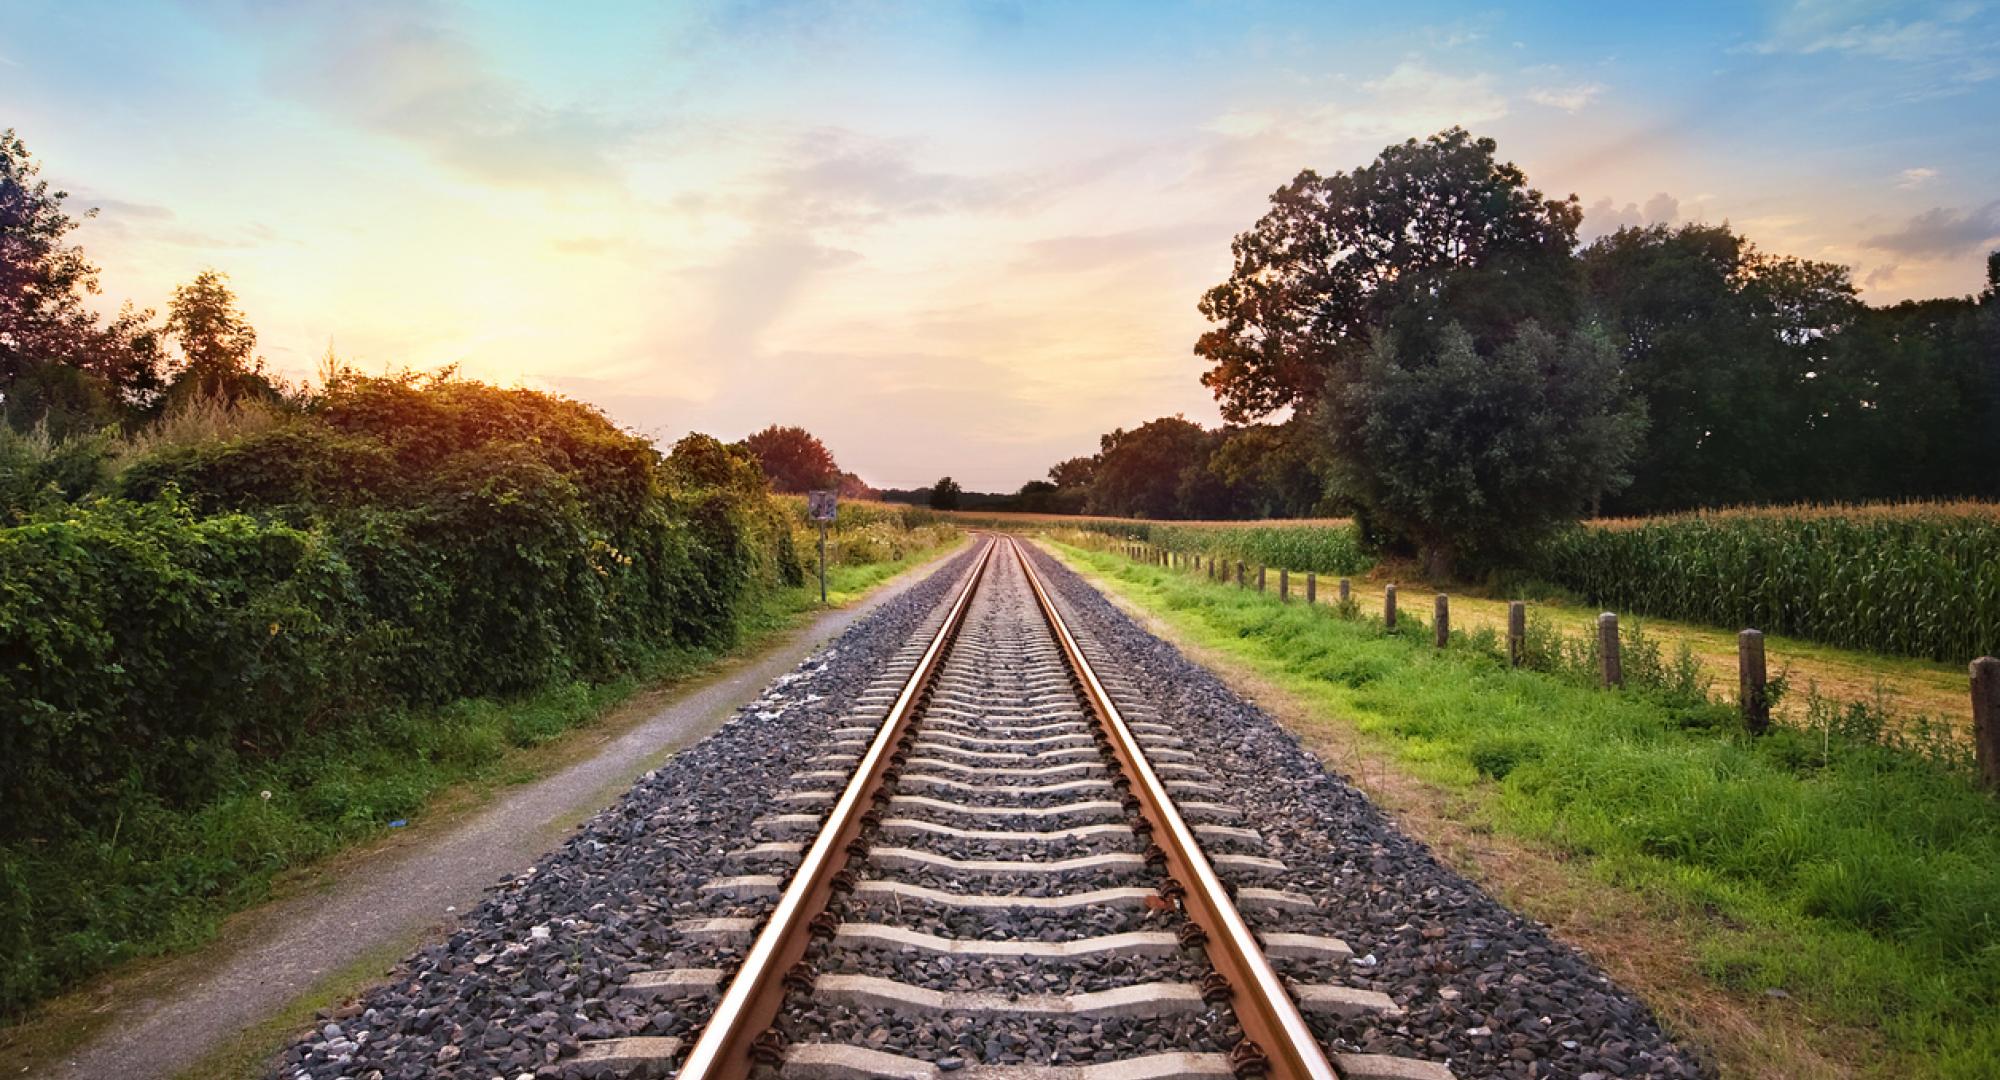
point(993, 849)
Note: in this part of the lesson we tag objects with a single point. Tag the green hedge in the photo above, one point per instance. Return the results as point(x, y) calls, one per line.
point(392, 546)
point(1915, 582)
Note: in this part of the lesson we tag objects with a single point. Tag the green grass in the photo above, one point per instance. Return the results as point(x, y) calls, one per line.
point(161, 879)
point(1863, 882)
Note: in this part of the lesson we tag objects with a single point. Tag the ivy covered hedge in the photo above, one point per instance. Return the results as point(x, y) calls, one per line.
point(391, 545)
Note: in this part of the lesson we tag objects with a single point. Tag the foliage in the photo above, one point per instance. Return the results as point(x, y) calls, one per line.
point(1767, 380)
point(402, 543)
point(1151, 471)
point(60, 365)
point(1438, 224)
point(1480, 454)
point(1919, 582)
point(1859, 878)
point(794, 459)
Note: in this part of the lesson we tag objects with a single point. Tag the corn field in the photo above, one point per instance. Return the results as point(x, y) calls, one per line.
point(1923, 582)
point(1322, 548)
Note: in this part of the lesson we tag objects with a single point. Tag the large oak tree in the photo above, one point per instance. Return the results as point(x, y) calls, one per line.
point(1428, 226)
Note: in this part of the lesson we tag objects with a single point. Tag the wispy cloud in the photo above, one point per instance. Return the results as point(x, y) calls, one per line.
point(1952, 45)
point(1604, 217)
point(1942, 232)
point(1569, 99)
point(405, 71)
point(1915, 178)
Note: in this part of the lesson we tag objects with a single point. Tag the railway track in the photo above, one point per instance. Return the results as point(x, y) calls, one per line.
point(1001, 864)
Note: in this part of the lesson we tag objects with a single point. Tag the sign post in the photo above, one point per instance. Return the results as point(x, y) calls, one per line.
point(822, 506)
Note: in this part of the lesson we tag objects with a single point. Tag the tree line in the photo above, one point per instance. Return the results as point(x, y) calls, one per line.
point(1424, 344)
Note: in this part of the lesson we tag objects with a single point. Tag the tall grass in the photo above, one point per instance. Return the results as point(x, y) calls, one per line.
point(1921, 580)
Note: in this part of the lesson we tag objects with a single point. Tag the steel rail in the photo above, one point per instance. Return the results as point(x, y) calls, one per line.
point(757, 992)
point(1271, 1019)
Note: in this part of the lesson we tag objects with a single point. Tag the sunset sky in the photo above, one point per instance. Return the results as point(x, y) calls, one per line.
point(948, 238)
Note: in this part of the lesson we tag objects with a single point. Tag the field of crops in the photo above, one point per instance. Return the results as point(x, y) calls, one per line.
point(1915, 580)
point(1326, 547)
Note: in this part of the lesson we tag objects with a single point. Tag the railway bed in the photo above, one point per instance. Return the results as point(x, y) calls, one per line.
point(994, 839)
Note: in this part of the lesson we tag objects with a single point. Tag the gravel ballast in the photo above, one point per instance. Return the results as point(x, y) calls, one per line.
point(533, 972)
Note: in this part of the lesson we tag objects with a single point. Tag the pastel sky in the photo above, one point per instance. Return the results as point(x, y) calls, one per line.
point(956, 238)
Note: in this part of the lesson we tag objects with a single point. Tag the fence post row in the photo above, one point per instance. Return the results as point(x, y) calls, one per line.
point(1517, 632)
point(1389, 607)
point(1607, 650)
point(1751, 699)
point(1260, 579)
point(1284, 585)
point(1986, 718)
point(1443, 620)
point(1312, 587)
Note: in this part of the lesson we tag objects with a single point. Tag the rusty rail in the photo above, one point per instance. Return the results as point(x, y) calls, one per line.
point(754, 996)
point(1272, 1025)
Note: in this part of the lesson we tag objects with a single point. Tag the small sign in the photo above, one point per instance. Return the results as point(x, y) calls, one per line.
point(822, 505)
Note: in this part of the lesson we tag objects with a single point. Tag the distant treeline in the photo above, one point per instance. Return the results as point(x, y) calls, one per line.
point(1763, 380)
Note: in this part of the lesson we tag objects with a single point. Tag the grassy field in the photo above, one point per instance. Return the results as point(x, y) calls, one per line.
point(1809, 908)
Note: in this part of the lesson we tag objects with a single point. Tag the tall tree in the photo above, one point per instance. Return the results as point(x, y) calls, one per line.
point(1467, 453)
point(1431, 225)
point(945, 494)
point(793, 459)
point(1143, 472)
point(58, 362)
point(218, 346)
point(1073, 474)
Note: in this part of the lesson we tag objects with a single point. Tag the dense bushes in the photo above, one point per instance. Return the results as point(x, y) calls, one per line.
point(1915, 581)
point(392, 544)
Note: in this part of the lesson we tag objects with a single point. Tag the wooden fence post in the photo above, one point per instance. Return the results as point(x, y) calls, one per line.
point(1211, 568)
point(1312, 587)
point(1443, 620)
point(1517, 632)
point(1389, 607)
point(1986, 718)
point(1346, 590)
point(1607, 650)
point(1240, 580)
point(1750, 696)
point(1284, 585)
point(1260, 579)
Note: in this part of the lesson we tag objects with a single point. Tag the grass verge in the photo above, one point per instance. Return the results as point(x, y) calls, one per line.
point(1835, 908)
point(165, 882)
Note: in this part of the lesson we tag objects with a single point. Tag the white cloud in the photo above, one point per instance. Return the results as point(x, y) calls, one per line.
point(1911, 178)
point(1604, 217)
point(1569, 99)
